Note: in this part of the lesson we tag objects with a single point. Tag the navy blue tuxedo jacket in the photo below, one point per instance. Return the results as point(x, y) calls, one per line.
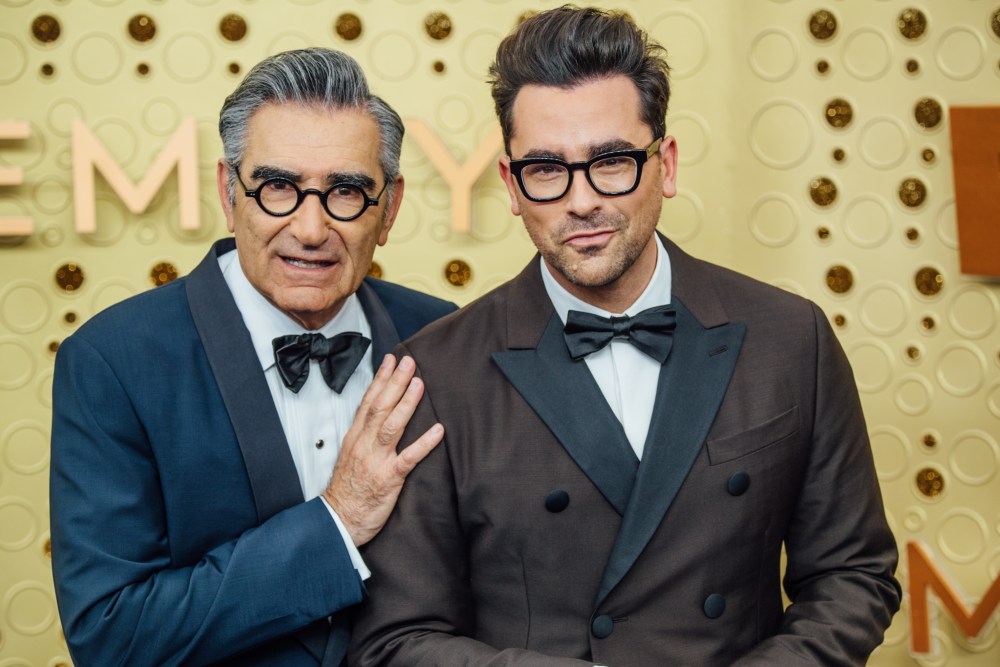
point(179, 531)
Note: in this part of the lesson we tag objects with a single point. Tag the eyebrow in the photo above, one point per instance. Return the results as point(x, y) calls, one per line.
point(592, 151)
point(360, 179)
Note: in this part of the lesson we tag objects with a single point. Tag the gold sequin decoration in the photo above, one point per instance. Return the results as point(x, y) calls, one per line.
point(928, 323)
point(912, 192)
point(839, 279)
point(930, 482)
point(46, 28)
point(438, 25)
point(163, 273)
point(823, 25)
point(912, 66)
point(69, 317)
point(233, 27)
point(142, 28)
point(822, 66)
point(928, 155)
point(348, 26)
point(840, 320)
point(928, 281)
point(995, 23)
point(53, 346)
point(438, 66)
point(839, 155)
point(928, 113)
point(823, 233)
point(48, 69)
point(234, 68)
point(47, 548)
point(913, 353)
point(375, 270)
point(69, 277)
point(524, 16)
point(823, 191)
point(458, 273)
point(930, 441)
point(912, 23)
point(142, 69)
point(839, 113)
point(912, 234)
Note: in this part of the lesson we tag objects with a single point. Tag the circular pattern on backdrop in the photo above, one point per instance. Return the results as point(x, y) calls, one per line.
point(993, 400)
point(774, 54)
point(491, 217)
point(119, 139)
point(681, 26)
point(478, 51)
point(682, 219)
point(24, 306)
point(45, 389)
point(62, 113)
point(408, 223)
point(961, 369)
point(962, 535)
point(960, 53)
point(209, 213)
point(692, 133)
point(454, 113)
point(29, 608)
point(97, 58)
point(25, 447)
point(891, 449)
point(973, 311)
point(946, 224)
point(774, 220)
point(872, 363)
point(30, 152)
point(188, 57)
point(974, 457)
point(913, 395)
point(13, 59)
point(868, 221)
point(883, 142)
point(111, 217)
point(781, 135)
point(867, 54)
point(160, 116)
point(18, 524)
point(883, 308)
point(16, 364)
point(289, 41)
point(110, 292)
point(393, 55)
point(52, 195)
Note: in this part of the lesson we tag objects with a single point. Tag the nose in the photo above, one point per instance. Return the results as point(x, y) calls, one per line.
point(582, 199)
point(310, 223)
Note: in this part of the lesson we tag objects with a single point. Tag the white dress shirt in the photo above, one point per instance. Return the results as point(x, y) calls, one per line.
point(316, 418)
point(626, 376)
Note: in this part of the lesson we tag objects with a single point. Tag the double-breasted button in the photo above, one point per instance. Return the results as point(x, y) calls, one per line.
point(556, 501)
point(738, 484)
point(602, 626)
point(714, 605)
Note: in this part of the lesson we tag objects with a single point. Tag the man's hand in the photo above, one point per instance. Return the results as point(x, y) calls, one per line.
point(369, 473)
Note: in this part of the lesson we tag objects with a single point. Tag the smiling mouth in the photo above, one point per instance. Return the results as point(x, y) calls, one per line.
point(307, 264)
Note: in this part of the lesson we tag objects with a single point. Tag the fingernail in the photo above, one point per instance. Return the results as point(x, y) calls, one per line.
point(406, 363)
point(437, 429)
point(387, 360)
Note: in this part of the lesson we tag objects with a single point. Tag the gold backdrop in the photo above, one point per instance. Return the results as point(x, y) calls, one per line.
point(814, 155)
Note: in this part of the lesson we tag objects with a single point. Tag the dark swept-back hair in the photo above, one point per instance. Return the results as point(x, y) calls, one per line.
point(314, 76)
point(570, 45)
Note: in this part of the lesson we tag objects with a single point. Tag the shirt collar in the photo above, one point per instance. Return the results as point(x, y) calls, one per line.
point(657, 292)
point(265, 322)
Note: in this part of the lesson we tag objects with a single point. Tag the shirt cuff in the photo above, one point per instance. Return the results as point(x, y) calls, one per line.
point(356, 560)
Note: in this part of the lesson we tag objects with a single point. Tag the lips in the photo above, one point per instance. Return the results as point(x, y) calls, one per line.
point(589, 237)
point(307, 263)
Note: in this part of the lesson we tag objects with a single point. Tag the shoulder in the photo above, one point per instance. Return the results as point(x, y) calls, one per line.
point(409, 309)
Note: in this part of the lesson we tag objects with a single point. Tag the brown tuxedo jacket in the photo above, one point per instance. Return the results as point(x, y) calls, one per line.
point(534, 536)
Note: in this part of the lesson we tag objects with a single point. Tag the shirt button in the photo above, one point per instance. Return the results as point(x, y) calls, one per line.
point(556, 501)
point(319, 444)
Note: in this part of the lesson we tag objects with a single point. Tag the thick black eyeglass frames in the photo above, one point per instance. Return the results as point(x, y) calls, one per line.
point(280, 197)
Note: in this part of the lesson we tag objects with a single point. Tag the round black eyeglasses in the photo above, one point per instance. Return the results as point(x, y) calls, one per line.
point(545, 179)
point(280, 197)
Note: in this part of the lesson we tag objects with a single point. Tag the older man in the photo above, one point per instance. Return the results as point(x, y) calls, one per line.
point(632, 434)
point(195, 519)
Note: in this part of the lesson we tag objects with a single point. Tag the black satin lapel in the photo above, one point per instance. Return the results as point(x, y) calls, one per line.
point(563, 393)
point(273, 479)
point(690, 390)
point(384, 335)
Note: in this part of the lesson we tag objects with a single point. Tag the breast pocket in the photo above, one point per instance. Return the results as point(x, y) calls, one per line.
point(756, 438)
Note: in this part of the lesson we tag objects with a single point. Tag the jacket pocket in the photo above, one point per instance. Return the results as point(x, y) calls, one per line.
point(772, 431)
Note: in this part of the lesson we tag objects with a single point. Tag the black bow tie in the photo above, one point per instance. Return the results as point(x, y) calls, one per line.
point(650, 331)
point(338, 356)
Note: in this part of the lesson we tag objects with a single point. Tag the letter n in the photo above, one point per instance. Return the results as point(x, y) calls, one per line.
point(924, 576)
point(89, 153)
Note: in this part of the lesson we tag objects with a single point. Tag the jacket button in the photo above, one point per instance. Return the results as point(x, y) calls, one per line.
point(714, 605)
point(602, 626)
point(738, 484)
point(556, 501)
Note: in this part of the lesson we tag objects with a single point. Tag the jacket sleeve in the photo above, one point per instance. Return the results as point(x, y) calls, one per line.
point(123, 598)
point(841, 553)
point(421, 611)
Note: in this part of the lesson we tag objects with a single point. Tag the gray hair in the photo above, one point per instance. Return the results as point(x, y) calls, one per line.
point(314, 76)
point(566, 46)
